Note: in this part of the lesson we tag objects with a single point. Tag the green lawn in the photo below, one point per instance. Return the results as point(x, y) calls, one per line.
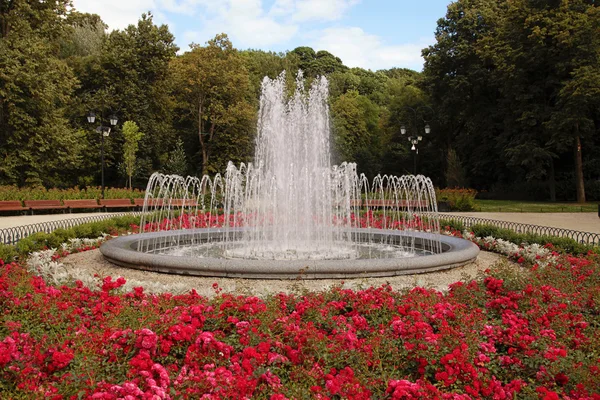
point(532, 206)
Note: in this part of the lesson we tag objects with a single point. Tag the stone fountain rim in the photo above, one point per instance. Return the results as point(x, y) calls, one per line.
point(120, 251)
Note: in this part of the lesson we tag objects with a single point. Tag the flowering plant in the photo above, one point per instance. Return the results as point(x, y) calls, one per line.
point(527, 333)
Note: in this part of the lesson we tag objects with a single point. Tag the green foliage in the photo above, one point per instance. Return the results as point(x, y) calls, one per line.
point(177, 160)
point(524, 90)
point(318, 63)
point(452, 224)
point(37, 144)
point(41, 193)
point(458, 199)
point(41, 240)
point(7, 253)
point(531, 206)
point(85, 37)
point(455, 173)
point(564, 244)
point(132, 135)
point(212, 89)
point(129, 78)
point(514, 87)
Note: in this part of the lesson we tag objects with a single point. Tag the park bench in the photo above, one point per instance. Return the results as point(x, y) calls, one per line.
point(139, 202)
point(116, 203)
point(81, 204)
point(395, 203)
point(12, 205)
point(353, 203)
point(44, 205)
point(183, 203)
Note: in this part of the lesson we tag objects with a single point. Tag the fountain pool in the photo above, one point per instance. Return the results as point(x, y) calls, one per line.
point(290, 213)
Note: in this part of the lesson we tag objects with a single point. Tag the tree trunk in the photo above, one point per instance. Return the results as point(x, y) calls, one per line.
point(579, 169)
point(552, 181)
point(204, 159)
point(203, 145)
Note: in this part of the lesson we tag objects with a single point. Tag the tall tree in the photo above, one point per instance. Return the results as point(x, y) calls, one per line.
point(37, 145)
point(545, 53)
point(463, 91)
point(130, 77)
point(132, 135)
point(213, 94)
point(317, 63)
point(260, 64)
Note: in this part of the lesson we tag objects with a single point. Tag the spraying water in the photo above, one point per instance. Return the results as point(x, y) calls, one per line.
point(292, 203)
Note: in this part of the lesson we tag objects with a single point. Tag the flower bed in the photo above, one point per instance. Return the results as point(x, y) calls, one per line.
point(527, 333)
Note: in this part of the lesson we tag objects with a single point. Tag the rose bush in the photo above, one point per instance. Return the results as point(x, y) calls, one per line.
point(526, 331)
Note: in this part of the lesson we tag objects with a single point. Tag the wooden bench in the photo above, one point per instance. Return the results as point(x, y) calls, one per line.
point(139, 202)
point(44, 205)
point(12, 205)
point(183, 203)
point(81, 203)
point(395, 203)
point(116, 203)
point(353, 203)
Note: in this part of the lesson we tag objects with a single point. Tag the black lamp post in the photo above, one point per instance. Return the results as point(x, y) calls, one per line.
point(104, 131)
point(415, 138)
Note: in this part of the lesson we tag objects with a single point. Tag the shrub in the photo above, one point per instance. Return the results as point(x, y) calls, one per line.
point(458, 199)
point(452, 224)
point(563, 244)
point(91, 192)
point(7, 253)
point(41, 240)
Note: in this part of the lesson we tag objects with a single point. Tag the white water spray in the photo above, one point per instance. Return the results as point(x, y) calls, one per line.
point(292, 202)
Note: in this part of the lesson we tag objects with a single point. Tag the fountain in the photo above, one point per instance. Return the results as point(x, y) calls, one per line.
point(290, 214)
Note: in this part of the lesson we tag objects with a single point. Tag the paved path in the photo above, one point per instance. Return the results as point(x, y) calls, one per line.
point(12, 221)
point(586, 222)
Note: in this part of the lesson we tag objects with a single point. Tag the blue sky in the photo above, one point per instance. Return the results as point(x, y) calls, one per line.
point(371, 34)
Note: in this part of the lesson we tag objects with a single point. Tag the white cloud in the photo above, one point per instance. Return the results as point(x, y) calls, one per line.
point(117, 14)
point(250, 25)
point(311, 10)
point(357, 48)
point(246, 24)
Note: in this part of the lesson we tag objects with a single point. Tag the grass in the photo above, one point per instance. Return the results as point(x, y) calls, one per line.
point(532, 206)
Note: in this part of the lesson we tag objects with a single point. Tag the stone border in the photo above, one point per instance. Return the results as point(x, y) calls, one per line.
point(123, 251)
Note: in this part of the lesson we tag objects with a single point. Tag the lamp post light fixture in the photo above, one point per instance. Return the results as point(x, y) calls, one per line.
point(105, 132)
point(415, 138)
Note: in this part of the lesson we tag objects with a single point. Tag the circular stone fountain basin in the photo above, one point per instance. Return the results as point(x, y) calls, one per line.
point(123, 251)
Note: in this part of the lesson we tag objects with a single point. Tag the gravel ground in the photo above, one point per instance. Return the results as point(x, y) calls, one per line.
point(94, 263)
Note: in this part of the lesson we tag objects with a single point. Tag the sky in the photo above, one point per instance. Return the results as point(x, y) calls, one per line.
point(371, 34)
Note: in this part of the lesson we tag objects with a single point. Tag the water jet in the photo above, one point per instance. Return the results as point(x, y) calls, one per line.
point(290, 214)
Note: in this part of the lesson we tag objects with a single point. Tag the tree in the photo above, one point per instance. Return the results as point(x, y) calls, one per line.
point(84, 37)
point(130, 77)
point(522, 75)
point(318, 63)
point(37, 144)
point(351, 133)
point(455, 173)
point(260, 63)
point(177, 160)
point(464, 92)
point(132, 135)
point(357, 132)
point(212, 89)
point(543, 52)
